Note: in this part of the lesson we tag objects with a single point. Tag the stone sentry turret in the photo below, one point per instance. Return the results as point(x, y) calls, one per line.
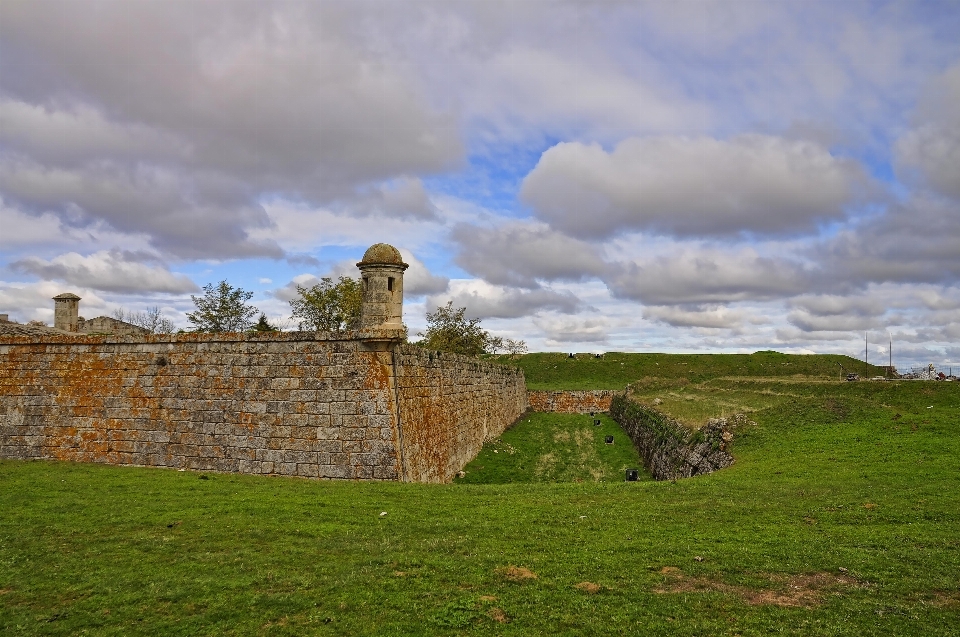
point(381, 270)
point(66, 312)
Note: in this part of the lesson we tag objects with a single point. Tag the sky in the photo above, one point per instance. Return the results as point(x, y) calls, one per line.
point(588, 176)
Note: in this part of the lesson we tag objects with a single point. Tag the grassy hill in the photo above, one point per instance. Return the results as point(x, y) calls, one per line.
point(555, 448)
point(841, 516)
point(615, 370)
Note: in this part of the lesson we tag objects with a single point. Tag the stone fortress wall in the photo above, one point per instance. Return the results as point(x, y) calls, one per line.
point(457, 403)
point(571, 401)
point(359, 405)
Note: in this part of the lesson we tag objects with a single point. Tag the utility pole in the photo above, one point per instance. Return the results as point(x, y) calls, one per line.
point(865, 356)
point(890, 366)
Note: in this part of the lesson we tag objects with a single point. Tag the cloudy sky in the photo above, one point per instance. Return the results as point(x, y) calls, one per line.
point(682, 176)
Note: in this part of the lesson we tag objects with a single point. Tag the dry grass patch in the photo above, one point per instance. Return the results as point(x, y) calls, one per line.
point(588, 587)
point(804, 591)
point(946, 599)
point(497, 615)
point(517, 573)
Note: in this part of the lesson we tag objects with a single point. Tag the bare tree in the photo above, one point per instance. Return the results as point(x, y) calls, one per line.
point(151, 320)
point(515, 347)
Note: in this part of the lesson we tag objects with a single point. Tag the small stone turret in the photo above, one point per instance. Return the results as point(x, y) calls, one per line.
point(66, 312)
point(382, 272)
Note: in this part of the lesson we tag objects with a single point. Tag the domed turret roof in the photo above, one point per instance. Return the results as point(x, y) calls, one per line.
point(382, 253)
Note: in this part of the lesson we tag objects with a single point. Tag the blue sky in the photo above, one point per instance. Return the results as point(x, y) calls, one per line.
point(692, 176)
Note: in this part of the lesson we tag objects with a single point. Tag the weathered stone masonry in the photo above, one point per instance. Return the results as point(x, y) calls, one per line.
point(449, 405)
point(669, 449)
point(571, 401)
point(354, 406)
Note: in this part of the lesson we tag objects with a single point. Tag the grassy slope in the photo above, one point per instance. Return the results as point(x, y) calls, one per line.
point(104, 550)
point(616, 370)
point(555, 448)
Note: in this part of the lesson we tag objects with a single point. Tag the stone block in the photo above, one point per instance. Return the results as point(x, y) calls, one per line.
point(381, 472)
point(354, 433)
point(362, 472)
point(333, 471)
point(353, 446)
point(308, 470)
point(328, 446)
point(285, 468)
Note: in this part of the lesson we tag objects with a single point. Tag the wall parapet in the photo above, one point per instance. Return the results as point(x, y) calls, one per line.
point(669, 449)
point(79, 338)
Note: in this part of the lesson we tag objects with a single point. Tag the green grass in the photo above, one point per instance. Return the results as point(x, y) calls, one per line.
point(863, 477)
point(692, 404)
point(616, 370)
point(555, 448)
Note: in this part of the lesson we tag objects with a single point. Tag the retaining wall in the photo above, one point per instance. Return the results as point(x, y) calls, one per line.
point(570, 401)
point(669, 449)
point(305, 404)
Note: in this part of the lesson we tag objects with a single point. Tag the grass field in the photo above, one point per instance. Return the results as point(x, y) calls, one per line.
point(616, 370)
point(841, 516)
point(555, 448)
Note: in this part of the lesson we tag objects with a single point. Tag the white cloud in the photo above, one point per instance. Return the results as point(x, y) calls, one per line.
point(299, 227)
point(20, 229)
point(932, 149)
point(520, 254)
point(692, 186)
point(403, 198)
point(76, 132)
point(483, 300)
point(143, 199)
point(916, 241)
point(708, 275)
point(809, 322)
point(418, 280)
point(834, 304)
point(574, 330)
point(255, 99)
point(110, 271)
point(710, 317)
point(519, 89)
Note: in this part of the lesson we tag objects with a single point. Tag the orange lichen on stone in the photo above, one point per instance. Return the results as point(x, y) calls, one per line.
point(571, 402)
point(313, 405)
